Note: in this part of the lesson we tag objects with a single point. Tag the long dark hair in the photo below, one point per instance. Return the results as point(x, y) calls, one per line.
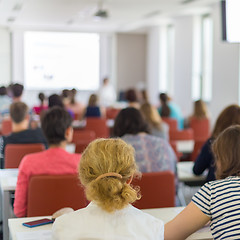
point(129, 121)
point(165, 111)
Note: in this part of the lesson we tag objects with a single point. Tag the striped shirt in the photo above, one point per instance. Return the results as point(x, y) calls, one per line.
point(220, 200)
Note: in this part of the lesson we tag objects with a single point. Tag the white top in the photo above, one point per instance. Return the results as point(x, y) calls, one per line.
point(107, 96)
point(94, 223)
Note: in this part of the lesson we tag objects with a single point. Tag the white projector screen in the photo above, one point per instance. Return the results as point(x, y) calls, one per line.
point(57, 60)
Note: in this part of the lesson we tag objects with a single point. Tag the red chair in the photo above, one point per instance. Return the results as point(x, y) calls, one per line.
point(83, 135)
point(172, 123)
point(157, 190)
point(15, 152)
point(81, 138)
point(49, 193)
point(201, 128)
point(111, 113)
point(186, 134)
point(196, 150)
point(6, 126)
point(98, 125)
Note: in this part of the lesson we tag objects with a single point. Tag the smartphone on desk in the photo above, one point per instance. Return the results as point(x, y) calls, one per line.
point(39, 222)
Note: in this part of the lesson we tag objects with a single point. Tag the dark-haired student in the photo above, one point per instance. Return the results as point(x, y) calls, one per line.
point(20, 132)
point(153, 154)
point(56, 125)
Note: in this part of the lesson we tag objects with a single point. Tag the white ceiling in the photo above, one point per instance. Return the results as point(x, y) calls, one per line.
point(124, 15)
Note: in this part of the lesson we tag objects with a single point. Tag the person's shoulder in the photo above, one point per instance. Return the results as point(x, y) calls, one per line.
point(70, 217)
point(143, 217)
point(37, 156)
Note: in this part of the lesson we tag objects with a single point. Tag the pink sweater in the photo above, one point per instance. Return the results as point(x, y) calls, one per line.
point(52, 161)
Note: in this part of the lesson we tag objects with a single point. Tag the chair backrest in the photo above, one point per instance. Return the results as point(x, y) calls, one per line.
point(111, 113)
point(81, 138)
point(49, 193)
point(6, 126)
point(172, 123)
point(201, 128)
point(15, 152)
point(98, 125)
point(186, 134)
point(157, 190)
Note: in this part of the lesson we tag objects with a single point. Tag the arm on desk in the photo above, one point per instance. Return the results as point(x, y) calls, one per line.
point(185, 223)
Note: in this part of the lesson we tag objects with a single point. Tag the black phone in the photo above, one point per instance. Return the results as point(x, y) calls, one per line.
point(39, 222)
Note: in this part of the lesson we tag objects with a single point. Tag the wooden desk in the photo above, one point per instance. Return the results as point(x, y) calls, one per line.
point(165, 214)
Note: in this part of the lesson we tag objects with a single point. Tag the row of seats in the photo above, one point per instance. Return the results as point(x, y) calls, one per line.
point(199, 130)
point(49, 193)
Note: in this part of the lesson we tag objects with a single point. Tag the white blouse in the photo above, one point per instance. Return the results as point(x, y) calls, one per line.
point(94, 223)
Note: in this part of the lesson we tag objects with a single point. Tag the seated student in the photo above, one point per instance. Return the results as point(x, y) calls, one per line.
point(170, 109)
point(5, 100)
point(56, 125)
point(217, 201)
point(229, 116)
point(93, 109)
point(20, 132)
point(153, 153)
point(158, 127)
point(132, 97)
point(43, 106)
point(106, 170)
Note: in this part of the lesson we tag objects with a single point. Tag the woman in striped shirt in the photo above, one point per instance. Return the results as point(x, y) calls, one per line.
point(217, 201)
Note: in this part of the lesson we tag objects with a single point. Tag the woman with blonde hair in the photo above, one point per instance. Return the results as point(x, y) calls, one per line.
point(106, 170)
point(157, 127)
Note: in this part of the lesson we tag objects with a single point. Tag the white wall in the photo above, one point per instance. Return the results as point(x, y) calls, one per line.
point(131, 60)
point(225, 69)
point(183, 63)
point(5, 57)
point(153, 64)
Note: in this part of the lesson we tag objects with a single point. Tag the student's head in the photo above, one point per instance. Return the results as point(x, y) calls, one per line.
point(229, 116)
point(165, 110)
point(93, 100)
point(41, 97)
point(131, 95)
point(200, 109)
point(55, 100)
point(227, 152)
point(17, 90)
point(106, 169)
point(151, 115)
point(129, 121)
point(56, 125)
point(163, 97)
point(3, 91)
point(105, 81)
point(18, 112)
